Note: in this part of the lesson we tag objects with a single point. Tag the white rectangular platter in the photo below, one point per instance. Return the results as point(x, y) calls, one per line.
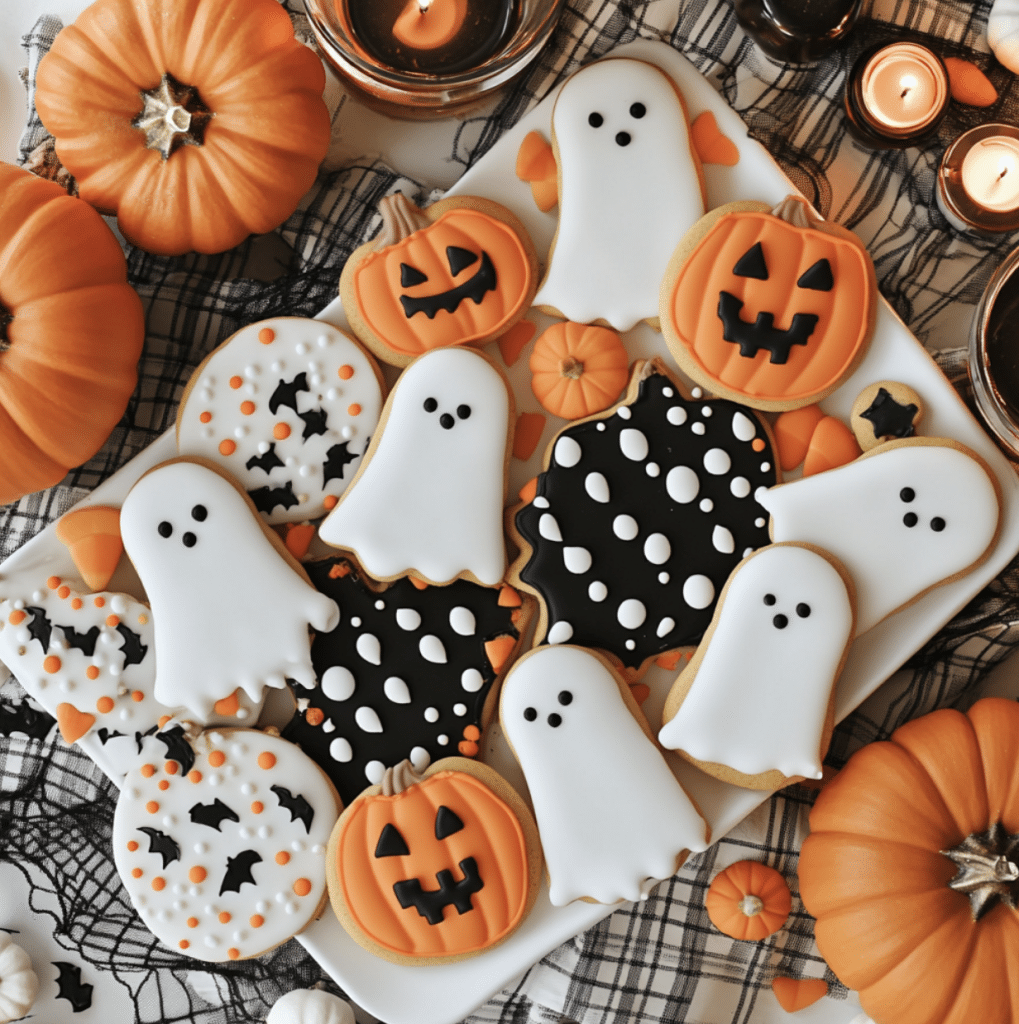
point(444, 994)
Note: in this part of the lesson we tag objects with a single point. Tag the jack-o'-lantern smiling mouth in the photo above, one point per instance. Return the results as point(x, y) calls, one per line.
point(762, 334)
point(431, 904)
point(482, 281)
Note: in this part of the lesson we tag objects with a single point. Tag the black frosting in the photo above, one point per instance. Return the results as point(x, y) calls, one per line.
point(474, 288)
point(621, 564)
point(888, 417)
point(178, 748)
point(404, 726)
point(133, 648)
point(431, 904)
point(296, 804)
point(266, 462)
point(287, 391)
point(162, 844)
point(267, 498)
point(762, 334)
point(336, 461)
point(238, 871)
point(213, 814)
point(71, 988)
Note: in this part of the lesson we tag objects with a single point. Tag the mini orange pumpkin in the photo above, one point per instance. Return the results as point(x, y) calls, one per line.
point(748, 900)
point(912, 869)
point(578, 369)
point(461, 272)
point(71, 332)
point(771, 308)
point(196, 122)
point(434, 867)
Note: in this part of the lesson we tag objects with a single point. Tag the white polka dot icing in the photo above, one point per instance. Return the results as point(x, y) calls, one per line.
point(293, 436)
point(224, 903)
point(653, 534)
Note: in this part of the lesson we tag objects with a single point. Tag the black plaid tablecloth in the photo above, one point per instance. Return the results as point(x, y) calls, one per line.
point(661, 960)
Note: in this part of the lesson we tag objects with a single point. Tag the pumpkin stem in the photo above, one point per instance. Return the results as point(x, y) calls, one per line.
point(399, 778)
point(794, 210)
point(173, 115)
point(400, 219)
point(751, 905)
point(572, 368)
point(988, 865)
point(5, 319)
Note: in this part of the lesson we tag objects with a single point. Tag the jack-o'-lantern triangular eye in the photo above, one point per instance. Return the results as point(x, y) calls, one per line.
point(391, 843)
point(447, 822)
point(752, 264)
point(410, 276)
point(817, 278)
point(459, 259)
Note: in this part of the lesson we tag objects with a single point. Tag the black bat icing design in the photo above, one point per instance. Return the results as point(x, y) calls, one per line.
point(888, 417)
point(70, 987)
point(213, 814)
point(315, 422)
point(266, 462)
point(431, 904)
point(161, 843)
point(105, 735)
point(484, 280)
point(267, 498)
point(40, 627)
point(133, 648)
point(336, 459)
point(286, 393)
point(25, 719)
point(238, 871)
point(84, 642)
point(178, 748)
point(762, 334)
point(139, 736)
point(298, 807)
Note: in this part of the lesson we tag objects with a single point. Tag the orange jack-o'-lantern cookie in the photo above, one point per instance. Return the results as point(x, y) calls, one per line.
point(461, 272)
point(436, 867)
point(769, 307)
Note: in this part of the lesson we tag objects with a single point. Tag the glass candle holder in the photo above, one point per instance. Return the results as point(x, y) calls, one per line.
point(978, 180)
point(430, 58)
point(797, 31)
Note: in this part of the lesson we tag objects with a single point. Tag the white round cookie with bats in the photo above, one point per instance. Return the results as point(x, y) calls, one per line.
point(221, 841)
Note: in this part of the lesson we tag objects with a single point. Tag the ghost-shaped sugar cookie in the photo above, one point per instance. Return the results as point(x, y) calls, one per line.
point(907, 516)
point(610, 813)
point(231, 609)
point(754, 706)
point(630, 185)
point(429, 496)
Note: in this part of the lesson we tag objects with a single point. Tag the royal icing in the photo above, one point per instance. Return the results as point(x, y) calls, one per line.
point(760, 686)
point(221, 843)
point(429, 497)
point(640, 518)
point(902, 519)
point(287, 406)
point(405, 675)
point(630, 187)
point(885, 411)
point(230, 611)
point(610, 812)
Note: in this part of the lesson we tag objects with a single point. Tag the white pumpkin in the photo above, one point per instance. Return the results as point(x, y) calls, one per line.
point(19, 984)
point(1003, 32)
point(310, 1006)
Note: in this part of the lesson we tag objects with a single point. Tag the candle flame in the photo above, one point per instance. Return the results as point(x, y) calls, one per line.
point(423, 5)
point(908, 83)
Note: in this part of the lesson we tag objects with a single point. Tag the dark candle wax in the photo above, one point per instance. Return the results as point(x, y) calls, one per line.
point(798, 31)
point(487, 24)
point(1003, 344)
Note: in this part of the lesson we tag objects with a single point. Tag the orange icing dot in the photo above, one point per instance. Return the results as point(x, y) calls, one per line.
point(256, 920)
point(224, 918)
point(266, 760)
point(52, 664)
point(132, 845)
point(92, 672)
point(53, 582)
point(330, 501)
point(137, 696)
point(136, 872)
point(112, 620)
point(105, 704)
point(233, 953)
point(281, 431)
point(257, 807)
point(76, 603)
point(353, 409)
point(192, 922)
point(346, 371)
point(159, 884)
point(217, 758)
point(184, 944)
point(235, 382)
point(16, 618)
point(152, 807)
point(467, 748)
point(205, 417)
point(302, 886)
point(171, 767)
point(99, 602)
point(148, 770)
point(195, 776)
point(227, 447)
point(198, 874)
point(163, 784)
point(163, 719)
point(757, 444)
point(283, 857)
point(314, 716)
point(247, 408)
point(266, 335)
point(472, 732)
point(63, 592)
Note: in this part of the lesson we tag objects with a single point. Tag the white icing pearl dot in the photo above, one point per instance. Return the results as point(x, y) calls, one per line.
point(369, 648)
point(631, 645)
point(169, 821)
point(408, 619)
point(340, 750)
point(765, 466)
point(432, 649)
point(706, 505)
point(462, 621)
point(657, 549)
point(697, 393)
point(682, 484)
point(263, 447)
point(717, 461)
point(722, 540)
point(322, 340)
point(264, 832)
point(262, 907)
point(698, 591)
point(290, 907)
point(214, 779)
point(601, 427)
point(706, 411)
point(625, 527)
point(698, 428)
point(211, 941)
point(301, 348)
point(306, 470)
point(442, 739)
point(347, 432)
point(338, 683)
point(431, 714)
point(623, 412)
point(396, 690)
point(327, 726)
point(560, 632)
point(117, 604)
point(567, 452)
point(577, 560)
point(740, 486)
point(747, 552)
point(663, 577)
point(759, 523)
point(244, 832)
point(298, 846)
point(240, 432)
point(631, 613)
point(201, 848)
point(676, 415)
point(653, 469)
point(597, 488)
point(549, 528)
point(540, 501)
point(743, 428)
point(368, 719)
point(597, 591)
point(668, 392)
point(633, 444)
point(356, 621)
point(460, 710)
point(472, 680)
point(666, 626)
point(420, 758)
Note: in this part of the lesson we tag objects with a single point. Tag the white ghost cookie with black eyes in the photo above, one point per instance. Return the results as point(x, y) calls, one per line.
point(629, 188)
point(906, 516)
point(428, 499)
point(611, 815)
point(287, 407)
point(754, 706)
point(231, 608)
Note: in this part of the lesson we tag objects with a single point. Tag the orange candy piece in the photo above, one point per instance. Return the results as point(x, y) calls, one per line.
point(498, 650)
point(530, 426)
point(831, 445)
point(515, 340)
point(712, 146)
point(793, 431)
point(73, 723)
point(536, 165)
point(298, 539)
point(969, 84)
point(798, 993)
point(92, 535)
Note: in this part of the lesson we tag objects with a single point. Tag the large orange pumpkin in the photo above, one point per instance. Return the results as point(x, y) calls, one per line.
point(71, 332)
point(197, 122)
point(436, 867)
point(461, 272)
point(912, 870)
point(768, 307)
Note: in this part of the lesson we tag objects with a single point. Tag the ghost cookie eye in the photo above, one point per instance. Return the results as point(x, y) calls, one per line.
point(638, 110)
point(165, 529)
point(595, 120)
point(430, 405)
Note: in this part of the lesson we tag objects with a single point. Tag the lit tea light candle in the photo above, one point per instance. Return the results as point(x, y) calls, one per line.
point(978, 180)
point(896, 95)
point(428, 24)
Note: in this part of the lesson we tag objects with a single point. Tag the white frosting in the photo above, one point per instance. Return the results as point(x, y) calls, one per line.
point(610, 812)
point(857, 513)
point(310, 1006)
point(622, 208)
point(760, 695)
point(229, 610)
point(597, 488)
point(223, 919)
point(240, 414)
point(430, 499)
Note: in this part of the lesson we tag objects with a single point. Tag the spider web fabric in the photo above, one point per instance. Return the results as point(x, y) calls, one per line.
point(661, 960)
